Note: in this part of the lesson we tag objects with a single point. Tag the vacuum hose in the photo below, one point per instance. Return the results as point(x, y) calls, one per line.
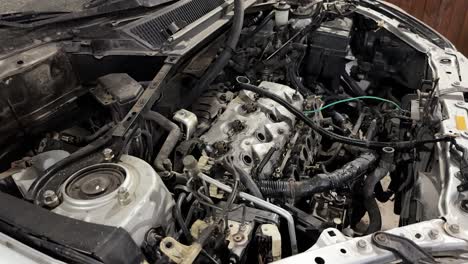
point(171, 140)
point(319, 183)
point(231, 44)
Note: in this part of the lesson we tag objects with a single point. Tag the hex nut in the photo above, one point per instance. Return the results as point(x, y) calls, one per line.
point(51, 199)
point(108, 154)
point(123, 196)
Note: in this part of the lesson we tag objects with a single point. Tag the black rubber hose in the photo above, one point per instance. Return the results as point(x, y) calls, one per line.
point(232, 197)
point(180, 218)
point(231, 44)
point(237, 24)
point(352, 85)
point(294, 79)
point(262, 24)
point(372, 208)
point(171, 140)
point(97, 134)
point(75, 156)
point(321, 182)
point(149, 143)
point(334, 136)
point(249, 183)
point(372, 180)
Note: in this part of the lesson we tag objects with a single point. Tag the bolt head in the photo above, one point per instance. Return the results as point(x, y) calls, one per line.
point(108, 154)
point(381, 238)
point(238, 237)
point(434, 234)
point(362, 243)
point(456, 84)
point(165, 174)
point(337, 221)
point(454, 228)
point(123, 196)
point(50, 198)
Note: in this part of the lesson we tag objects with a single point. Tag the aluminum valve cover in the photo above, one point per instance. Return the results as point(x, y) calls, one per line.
point(254, 130)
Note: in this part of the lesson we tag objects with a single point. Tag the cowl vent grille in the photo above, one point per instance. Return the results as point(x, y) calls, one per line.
point(155, 30)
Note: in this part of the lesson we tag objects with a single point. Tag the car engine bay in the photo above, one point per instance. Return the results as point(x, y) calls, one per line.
point(235, 132)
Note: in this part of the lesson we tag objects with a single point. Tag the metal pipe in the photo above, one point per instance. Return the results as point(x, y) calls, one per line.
point(263, 204)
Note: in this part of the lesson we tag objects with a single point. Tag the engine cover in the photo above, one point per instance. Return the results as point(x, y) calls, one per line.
point(128, 194)
point(254, 130)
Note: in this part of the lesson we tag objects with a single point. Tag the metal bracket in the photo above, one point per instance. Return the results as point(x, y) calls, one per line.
point(145, 102)
point(402, 247)
point(178, 252)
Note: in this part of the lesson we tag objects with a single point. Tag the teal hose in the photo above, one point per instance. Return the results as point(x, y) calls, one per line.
point(353, 99)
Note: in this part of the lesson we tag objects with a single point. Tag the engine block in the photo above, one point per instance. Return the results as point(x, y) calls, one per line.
point(254, 130)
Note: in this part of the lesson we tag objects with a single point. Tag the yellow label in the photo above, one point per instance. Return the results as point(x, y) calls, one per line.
point(461, 122)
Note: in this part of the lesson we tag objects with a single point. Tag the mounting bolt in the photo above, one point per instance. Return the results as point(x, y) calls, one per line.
point(141, 102)
point(382, 238)
point(108, 154)
point(51, 199)
point(123, 196)
point(362, 243)
point(337, 221)
point(165, 174)
point(456, 84)
point(433, 234)
point(454, 228)
point(238, 237)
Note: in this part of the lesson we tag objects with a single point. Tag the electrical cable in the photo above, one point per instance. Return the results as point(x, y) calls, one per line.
point(353, 99)
point(333, 136)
